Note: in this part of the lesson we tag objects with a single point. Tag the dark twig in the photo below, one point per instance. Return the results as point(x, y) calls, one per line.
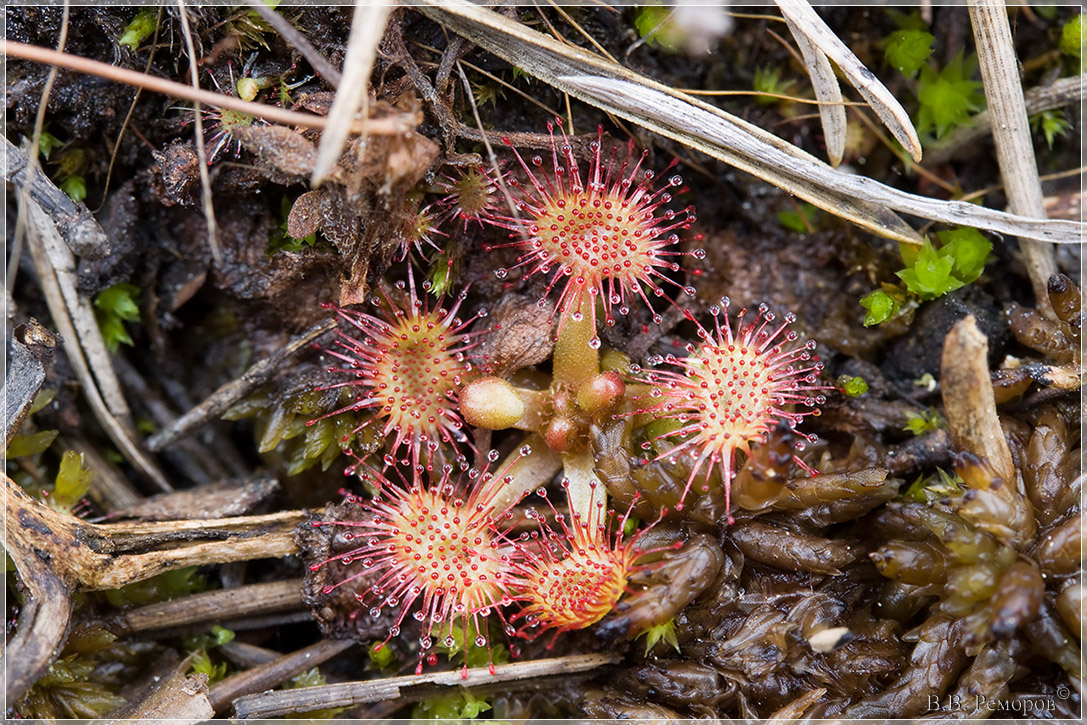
point(274, 704)
point(43, 620)
point(74, 221)
point(295, 38)
point(229, 394)
point(267, 676)
point(211, 606)
point(32, 356)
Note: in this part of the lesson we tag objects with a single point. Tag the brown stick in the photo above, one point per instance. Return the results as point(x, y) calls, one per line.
point(267, 676)
point(14, 49)
point(217, 403)
point(275, 704)
point(218, 605)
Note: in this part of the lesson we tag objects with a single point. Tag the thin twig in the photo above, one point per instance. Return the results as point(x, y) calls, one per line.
point(299, 41)
point(229, 394)
point(275, 704)
point(201, 150)
point(14, 49)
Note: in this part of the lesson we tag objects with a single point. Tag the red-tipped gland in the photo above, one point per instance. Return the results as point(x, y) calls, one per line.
point(602, 393)
point(732, 391)
point(491, 403)
point(606, 237)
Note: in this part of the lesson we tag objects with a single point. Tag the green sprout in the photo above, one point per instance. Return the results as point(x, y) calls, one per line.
point(923, 422)
point(47, 142)
point(139, 29)
point(114, 306)
point(880, 307)
point(908, 50)
point(202, 664)
point(932, 273)
point(381, 654)
point(948, 96)
point(1052, 124)
point(854, 387)
point(927, 489)
point(661, 633)
point(75, 187)
point(768, 80)
point(462, 705)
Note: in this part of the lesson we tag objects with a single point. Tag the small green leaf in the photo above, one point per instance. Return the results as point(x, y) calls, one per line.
point(71, 483)
point(75, 187)
point(657, 29)
point(31, 443)
point(458, 706)
point(661, 633)
point(1072, 37)
point(968, 248)
point(880, 305)
point(381, 654)
point(907, 50)
point(930, 276)
point(47, 142)
point(854, 387)
point(1052, 124)
point(800, 220)
point(221, 635)
point(202, 664)
point(949, 96)
point(116, 305)
point(923, 422)
point(141, 27)
point(768, 80)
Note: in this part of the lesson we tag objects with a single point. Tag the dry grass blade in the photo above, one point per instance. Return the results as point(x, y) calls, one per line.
point(721, 135)
point(827, 92)
point(293, 36)
point(802, 17)
point(1011, 134)
point(367, 28)
point(201, 150)
point(346, 694)
point(75, 320)
point(214, 606)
